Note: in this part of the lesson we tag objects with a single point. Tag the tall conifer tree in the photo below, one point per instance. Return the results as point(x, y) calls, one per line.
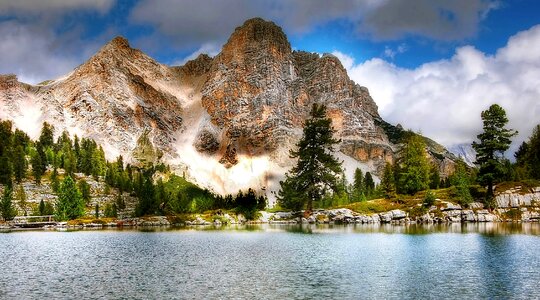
point(493, 142)
point(317, 171)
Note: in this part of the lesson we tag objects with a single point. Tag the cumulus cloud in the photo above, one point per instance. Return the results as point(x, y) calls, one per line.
point(443, 99)
point(193, 22)
point(30, 55)
point(32, 46)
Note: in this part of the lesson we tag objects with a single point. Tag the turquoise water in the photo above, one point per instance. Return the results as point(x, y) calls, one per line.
point(275, 262)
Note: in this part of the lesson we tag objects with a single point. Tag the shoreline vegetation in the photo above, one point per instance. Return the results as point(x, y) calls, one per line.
point(517, 205)
point(70, 182)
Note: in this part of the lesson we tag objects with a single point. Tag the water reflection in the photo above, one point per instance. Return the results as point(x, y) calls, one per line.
point(489, 229)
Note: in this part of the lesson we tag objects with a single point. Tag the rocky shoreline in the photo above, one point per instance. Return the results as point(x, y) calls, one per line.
point(516, 205)
point(449, 214)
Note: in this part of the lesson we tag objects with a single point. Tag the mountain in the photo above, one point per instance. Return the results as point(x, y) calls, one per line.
point(226, 122)
point(465, 152)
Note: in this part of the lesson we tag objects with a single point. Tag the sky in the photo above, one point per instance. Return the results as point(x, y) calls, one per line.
point(430, 65)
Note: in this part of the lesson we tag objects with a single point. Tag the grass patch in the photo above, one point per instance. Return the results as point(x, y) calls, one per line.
point(525, 185)
point(409, 203)
point(375, 206)
point(513, 214)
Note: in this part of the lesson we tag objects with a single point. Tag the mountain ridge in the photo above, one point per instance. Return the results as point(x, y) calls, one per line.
point(225, 122)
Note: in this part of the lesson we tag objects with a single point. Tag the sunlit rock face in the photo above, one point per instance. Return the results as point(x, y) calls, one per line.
point(226, 123)
point(259, 93)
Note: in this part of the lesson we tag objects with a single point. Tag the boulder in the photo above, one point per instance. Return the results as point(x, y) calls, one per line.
point(425, 218)
point(450, 206)
point(467, 215)
point(398, 214)
point(283, 215)
point(485, 216)
point(386, 217)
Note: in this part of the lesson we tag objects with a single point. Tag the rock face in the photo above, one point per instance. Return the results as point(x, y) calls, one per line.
point(226, 122)
point(259, 93)
point(517, 197)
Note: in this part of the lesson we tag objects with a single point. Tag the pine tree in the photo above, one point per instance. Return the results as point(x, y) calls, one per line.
point(20, 138)
point(43, 157)
point(70, 161)
point(120, 203)
point(388, 184)
point(84, 187)
point(21, 196)
point(434, 177)
point(19, 164)
point(358, 184)
point(147, 199)
point(5, 137)
point(533, 154)
point(414, 165)
point(460, 180)
point(317, 170)
point(41, 208)
point(369, 185)
point(70, 204)
point(493, 142)
point(5, 170)
point(77, 153)
point(46, 139)
point(99, 164)
point(37, 167)
point(6, 205)
point(55, 183)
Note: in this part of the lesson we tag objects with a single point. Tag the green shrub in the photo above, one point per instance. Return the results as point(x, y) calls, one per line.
point(429, 199)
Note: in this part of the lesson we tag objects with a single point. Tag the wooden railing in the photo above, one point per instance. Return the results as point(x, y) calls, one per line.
point(34, 219)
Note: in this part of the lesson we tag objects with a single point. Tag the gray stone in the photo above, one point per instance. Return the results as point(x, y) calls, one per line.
point(385, 217)
point(476, 205)
point(398, 214)
point(468, 215)
point(451, 206)
point(425, 218)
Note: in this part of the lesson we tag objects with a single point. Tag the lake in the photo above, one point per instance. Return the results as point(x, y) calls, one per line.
point(275, 262)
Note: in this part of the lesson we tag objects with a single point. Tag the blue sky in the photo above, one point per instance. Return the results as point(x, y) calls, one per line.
point(415, 56)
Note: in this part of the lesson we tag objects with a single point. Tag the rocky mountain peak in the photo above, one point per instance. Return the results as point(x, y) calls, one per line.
point(119, 42)
point(257, 35)
point(257, 42)
point(115, 53)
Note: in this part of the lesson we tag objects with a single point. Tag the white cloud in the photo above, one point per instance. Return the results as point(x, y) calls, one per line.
point(390, 52)
point(443, 99)
point(346, 60)
point(211, 49)
point(31, 46)
point(30, 54)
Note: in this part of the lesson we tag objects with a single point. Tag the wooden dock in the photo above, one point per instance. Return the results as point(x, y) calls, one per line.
point(34, 221)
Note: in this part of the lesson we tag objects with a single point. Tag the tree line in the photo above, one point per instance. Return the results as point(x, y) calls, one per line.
point(318, 178)
point(22, 158)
